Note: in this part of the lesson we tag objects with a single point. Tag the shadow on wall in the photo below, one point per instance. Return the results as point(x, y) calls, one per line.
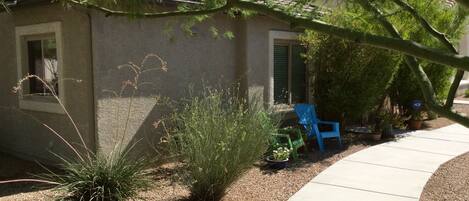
point(136, 97)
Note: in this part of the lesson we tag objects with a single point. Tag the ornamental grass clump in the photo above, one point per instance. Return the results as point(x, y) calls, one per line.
point(219, 137)
point(88, 176)
point(102, 178)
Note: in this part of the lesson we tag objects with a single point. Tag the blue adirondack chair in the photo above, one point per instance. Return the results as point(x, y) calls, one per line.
point(307, 117)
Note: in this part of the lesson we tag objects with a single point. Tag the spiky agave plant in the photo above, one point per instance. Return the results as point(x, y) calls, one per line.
point(94, 177)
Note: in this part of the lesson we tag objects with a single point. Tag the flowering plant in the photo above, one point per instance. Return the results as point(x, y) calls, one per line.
point(417, 109)
point(281, 154)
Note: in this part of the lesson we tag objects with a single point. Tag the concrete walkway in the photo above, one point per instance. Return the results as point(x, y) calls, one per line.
point(392, 171)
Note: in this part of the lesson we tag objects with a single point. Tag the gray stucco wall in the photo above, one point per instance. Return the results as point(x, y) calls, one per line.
point(199, 60)
point(257, 55)
point(190, 61)
point(19, 133)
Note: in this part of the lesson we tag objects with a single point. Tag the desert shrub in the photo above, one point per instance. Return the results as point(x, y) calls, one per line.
point(404, 88)
point(447, 20)
point(103, 178)
point(349, 79)
point(111, 176)
point(218, 137)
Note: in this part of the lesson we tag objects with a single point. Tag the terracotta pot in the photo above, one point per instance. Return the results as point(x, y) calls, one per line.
point(415, 124)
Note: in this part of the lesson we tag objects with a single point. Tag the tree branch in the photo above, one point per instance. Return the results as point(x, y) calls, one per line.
point(403, 46)
point(444, 40)
point(110, 12)
point(412, 63)
point(399, 45)
point(426, 25)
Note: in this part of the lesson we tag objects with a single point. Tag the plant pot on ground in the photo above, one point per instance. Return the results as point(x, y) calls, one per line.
point(415, 124)
point(415, 121)
point(279, 158)
point(388, 130)
point(375, 136)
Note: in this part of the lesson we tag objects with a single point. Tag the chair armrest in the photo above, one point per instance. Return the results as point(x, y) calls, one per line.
point(333, 123)
point(281, 135)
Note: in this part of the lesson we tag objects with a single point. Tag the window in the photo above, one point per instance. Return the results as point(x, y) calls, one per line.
point(39, 53)
point(289, 73)
point(42, 61)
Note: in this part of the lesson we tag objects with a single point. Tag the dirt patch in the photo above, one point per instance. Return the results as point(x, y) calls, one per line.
point(450, 182)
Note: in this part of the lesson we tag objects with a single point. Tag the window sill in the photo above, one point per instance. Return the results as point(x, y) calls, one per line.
point(283, 108)
point(49, 107)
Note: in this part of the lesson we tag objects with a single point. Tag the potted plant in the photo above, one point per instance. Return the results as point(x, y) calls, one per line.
point(375, 133)
point(416, 119)
point(279, 158)
point(382, 126)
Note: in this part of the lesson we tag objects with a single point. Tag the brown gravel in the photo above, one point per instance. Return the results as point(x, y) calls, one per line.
point(450, 182)
point(259, 183)
point(15, 168)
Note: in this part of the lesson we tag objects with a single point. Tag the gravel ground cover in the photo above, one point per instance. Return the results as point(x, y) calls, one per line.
point(450, 182)
point(258, 184)
point(15, 168)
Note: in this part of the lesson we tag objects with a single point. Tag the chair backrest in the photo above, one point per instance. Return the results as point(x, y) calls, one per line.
point(306, 114)
point(307, 117)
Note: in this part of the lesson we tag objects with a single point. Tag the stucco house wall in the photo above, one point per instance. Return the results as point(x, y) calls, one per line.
point(260, 77)
point(96, 45)
point(191, 61)
point(19, 132)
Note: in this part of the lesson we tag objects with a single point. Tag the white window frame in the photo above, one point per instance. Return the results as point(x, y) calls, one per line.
point(276, 35)
point(21, 32)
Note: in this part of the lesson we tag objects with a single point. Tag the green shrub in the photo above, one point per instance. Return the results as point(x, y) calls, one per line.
point(342, 60)
point(218, 137)
point(102, 178)
point(450, 21)
point(349, 79)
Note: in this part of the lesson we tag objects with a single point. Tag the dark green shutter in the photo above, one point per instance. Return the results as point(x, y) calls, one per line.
point(298, 83)
point(281, 73)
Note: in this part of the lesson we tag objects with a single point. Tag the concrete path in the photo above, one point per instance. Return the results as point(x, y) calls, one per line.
point(392, 171)
point(463, 102)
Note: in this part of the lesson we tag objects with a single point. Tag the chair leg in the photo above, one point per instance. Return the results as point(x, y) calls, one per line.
point(340, 141)
point(321, 144)
point(295, 154)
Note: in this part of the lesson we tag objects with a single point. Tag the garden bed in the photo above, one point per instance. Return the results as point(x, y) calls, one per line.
point(259, 183)
point(450, 182)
